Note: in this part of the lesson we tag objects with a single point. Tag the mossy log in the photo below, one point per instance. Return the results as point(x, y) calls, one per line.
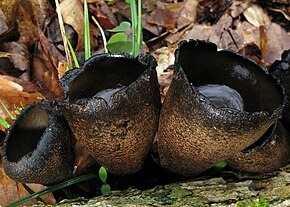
point(225, 190)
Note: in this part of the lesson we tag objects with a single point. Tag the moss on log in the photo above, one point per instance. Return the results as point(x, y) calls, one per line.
point(210, 191)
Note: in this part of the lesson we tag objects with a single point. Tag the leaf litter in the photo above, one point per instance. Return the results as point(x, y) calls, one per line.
point(32, 56)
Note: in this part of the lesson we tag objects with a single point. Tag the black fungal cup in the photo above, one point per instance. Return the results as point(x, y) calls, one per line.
point(38, 147)
point(218, 104)
point(272, 150)
point(112, 105)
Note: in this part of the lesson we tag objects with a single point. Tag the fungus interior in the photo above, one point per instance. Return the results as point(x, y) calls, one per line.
point(204, 66)
point(26, 133)
point(103, 77)
point(222, 97)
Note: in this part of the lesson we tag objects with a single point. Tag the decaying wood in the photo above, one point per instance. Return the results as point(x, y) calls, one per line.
point(213, 191)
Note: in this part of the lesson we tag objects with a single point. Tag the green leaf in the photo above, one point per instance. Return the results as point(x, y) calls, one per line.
point(105, 189)
point(127, 1)
point(103, 174)
point(119, 43)
point(220, 165)
point(121, 28)
point(4, 123)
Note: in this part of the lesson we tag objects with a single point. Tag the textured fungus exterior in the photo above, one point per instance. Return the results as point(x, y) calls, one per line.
point(269, 155)
point(38, 147)
point(280, 70)
point(117, 132)
point(193, 134)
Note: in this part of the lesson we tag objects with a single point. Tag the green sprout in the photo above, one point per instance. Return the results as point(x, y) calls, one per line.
point(105, 189)
point(119, 42)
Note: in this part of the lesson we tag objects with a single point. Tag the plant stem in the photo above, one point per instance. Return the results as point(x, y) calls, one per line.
point(7, 111)
point(61, 26)
point(139, 34)
point(87, 31)
point(102, 34)
point(134, 27)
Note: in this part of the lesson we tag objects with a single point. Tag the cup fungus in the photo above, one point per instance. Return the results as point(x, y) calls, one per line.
point(272, 150)
point(38, 147)
point(218, 104)
point(112, 106)
point(268, 154)
point(220, 107)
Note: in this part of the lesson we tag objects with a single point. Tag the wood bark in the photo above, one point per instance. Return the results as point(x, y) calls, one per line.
point(223, 190)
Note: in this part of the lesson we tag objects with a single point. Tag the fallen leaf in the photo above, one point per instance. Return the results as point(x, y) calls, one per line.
point(8, 9)
point(104, 15)
point(73, 15)
point(32, 15)
point(21, 61)
point(62, 68)
point(13, 91)
point(211, 10)
point(165, 17)
point(45, 64)
point(278, 40)
point(11, 191)
point(256, 16)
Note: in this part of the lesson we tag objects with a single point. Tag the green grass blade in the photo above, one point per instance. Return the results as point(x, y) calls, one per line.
point(16, 108)
point(7, 111)
point(87, 31)
point(134, 27)
point(54, 188)
point(29, 190)
point(72, 52)
point(4, 123)
point(22, 106)
point(139, 27)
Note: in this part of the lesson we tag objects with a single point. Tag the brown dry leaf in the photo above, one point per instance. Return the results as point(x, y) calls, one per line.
point(33, 14)
point(278, 41)
point(13, 91)
point(257, 16)
point(21, 61)
point(11, 191)
point(73, 15)
point(238, 7)
point(220, 33)
point(104, 15)
point(62, 68)
point(271, 39)
point(211, 10)
point(166, 15)
point(45, 64)
point(8, 9)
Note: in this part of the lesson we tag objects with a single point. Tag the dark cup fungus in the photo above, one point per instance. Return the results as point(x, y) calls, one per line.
point(269, 153)
point(280, 70)
point(38, 147)
point(218, 104)
point(272, 150)
point(112, 106)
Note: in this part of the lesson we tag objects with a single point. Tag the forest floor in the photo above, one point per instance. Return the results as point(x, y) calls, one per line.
point(32, 56)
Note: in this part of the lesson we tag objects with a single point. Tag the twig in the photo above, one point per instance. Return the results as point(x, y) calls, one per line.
point(61, 25)
point(102, 33)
